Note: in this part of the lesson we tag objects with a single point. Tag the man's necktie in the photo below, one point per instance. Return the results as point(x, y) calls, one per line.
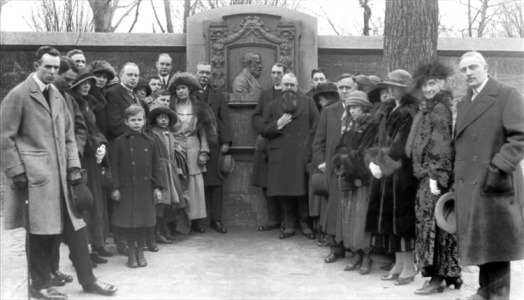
point(45, 92)
point(164, 82)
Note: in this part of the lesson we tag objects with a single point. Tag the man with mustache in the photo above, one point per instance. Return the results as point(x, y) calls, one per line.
point(246, 81)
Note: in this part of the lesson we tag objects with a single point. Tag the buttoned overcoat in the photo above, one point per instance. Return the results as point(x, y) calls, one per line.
point(490, 226)
point(326, 140)
point(39, 140)
point(137, 170)
point(287, 147)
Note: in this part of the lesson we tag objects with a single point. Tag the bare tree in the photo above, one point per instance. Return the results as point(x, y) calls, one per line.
point(56, 16)
point(104, 11)
point(410, 33)
point(480, 16)
point(511, 18)
point(169, 21)
point(2, 3)
point(367, 15)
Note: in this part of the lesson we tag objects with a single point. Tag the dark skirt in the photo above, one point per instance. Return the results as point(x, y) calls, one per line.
point(436, 250)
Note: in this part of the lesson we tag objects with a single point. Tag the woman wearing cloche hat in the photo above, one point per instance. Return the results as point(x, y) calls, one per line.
point(393, 188)
point(104, 73)
point(430, 146)
point(354, 179)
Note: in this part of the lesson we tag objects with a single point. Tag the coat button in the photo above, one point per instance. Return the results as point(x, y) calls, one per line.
point(145, 150)
point(474, 158)
point(459, 159)
point(134, 178)
point(461, 181)
point(474, 182)
point(145, 178)
point(473, 137)
point(133, 163)
point(132, 149)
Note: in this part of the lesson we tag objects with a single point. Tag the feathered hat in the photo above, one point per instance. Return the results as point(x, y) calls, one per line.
point(432, 70)
point(183, 78)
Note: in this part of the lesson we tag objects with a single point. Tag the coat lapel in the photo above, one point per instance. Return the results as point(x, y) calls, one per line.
point(472, 110)
point(37, 95)
point(126, 95)
point(54, 98)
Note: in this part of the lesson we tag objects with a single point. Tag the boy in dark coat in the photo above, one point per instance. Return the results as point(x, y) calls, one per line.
point(137, 180)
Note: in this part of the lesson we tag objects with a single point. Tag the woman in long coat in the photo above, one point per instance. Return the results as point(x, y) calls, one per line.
point(94, 153)
point(430, 147)
point(354, 178)
point(391, 209)
point(194, 128)
point(104, 73)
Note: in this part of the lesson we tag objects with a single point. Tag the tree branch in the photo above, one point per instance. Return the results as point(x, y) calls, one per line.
point(136, 15)
point(156, 17)
point(113, 28)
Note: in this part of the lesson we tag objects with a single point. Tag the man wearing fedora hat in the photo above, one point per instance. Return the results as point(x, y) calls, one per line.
point(489, 144)
point(288, 121)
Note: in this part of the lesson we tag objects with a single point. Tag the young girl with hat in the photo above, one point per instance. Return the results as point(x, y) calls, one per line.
point(354, 178)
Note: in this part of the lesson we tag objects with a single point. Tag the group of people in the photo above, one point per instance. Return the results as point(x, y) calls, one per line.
point(361, 163)
point(357, 164)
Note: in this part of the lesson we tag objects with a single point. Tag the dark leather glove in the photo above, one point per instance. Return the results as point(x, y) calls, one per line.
point(19, 182)
point(74, 177)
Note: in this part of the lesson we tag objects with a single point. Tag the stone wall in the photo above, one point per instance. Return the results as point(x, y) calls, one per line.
point(242, 202)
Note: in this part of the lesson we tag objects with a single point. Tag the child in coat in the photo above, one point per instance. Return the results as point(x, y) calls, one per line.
point(136, 184)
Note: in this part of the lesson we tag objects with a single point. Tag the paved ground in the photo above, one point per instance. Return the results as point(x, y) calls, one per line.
point(243, 264)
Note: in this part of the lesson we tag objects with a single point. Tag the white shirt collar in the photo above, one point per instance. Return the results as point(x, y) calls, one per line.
point(479, 89)
point(128, 89)
point(41, 85)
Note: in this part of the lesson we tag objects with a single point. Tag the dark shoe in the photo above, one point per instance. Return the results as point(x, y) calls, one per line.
point(97, 259)
point(131, 258)
point(62, 276)
point(168, 235)
point(93, 265)
point(161, 239)
point(140, 259)
point(286, 235)
point(102, 252)
point(218, 227)
point(55, 281)
point(49, 293)
point(267, 227)
point(455, 281)
point(100, 288)
point(332, 257)
point(430, 288)
point(367, 263)
point(389, 277)
point(152, 248)
point(195, 227)
point(324, 241)
point(308, 233)
point(122, 250)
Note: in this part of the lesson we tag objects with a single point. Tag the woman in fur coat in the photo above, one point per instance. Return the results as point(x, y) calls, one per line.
point(391, 211)
point(431, 148)
point(354, 178)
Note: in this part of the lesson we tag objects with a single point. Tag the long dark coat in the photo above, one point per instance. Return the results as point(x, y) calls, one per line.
point(38, 140)
point(118, 100)
point(392, 200)
point(489, 130)
point(218, 105)
point(259, 173)
point(326, 140)
point(99, 107)
point(287, 147)
point(137, 171)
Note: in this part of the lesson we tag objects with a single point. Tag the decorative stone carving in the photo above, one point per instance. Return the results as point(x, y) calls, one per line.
point(226, 48)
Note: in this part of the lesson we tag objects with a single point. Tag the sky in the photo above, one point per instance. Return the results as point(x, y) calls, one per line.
point(345, 14)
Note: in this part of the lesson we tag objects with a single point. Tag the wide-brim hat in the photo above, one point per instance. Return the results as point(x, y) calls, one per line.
point(156, 110)
point(319, 184)
point(357, 98)
point(364, 82)
point(183, 78)
point(84, 74)
point(398, 77)
point(142, 83)
point(432, 70)
point(325, 89)
point(102, 66)
point(445, 213)
point(226, 165)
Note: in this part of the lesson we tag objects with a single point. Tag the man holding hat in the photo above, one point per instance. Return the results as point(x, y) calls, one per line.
point(489, 144)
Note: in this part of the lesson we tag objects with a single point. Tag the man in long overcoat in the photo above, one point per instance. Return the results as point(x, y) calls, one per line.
point(489, 142)
point(40, 158)
point(288, 121)
point(326, 140)
point(212, 181)
point(259, 176)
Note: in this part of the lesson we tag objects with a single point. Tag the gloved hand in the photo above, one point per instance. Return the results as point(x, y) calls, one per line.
point(74, 177)
point(322, 167)
point(100, 153)
point(202, 159)
point(157, 195)
point(115, 195)
point(375, 170)
point(224, 148)
point(433, 186)
point(19, 182)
